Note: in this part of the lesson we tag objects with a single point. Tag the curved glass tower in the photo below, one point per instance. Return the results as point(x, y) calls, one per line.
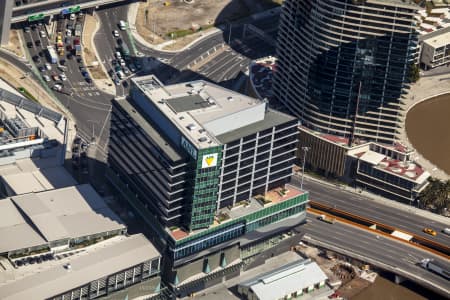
point(343, 65)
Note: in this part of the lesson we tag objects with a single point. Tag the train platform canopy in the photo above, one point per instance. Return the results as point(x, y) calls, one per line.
point(36, 219)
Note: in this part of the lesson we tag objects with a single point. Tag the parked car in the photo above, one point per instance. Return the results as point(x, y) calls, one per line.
point(63, 76)
point(37, 43)
point(42, 34)
point(57, 87)
point(116, 33)
point(55, 76)
point(36, 59)
point(46, 77)
point(30, 45)
point(42, 69)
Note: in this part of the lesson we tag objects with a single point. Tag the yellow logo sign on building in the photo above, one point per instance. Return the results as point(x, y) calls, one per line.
point(209, 160)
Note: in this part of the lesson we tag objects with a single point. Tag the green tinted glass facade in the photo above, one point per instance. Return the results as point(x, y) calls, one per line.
point(206, 185)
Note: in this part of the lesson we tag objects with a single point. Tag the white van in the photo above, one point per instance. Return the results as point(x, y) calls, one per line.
point(122, 25)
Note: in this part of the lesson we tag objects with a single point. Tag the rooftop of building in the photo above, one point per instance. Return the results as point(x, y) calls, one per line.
point(36, 219)
point(204, 111)
point(34, 175)
point(406, 169)
point(261, 76)
point(286, 280)
point(246, 207)
point(51, 278)
point(438, 41)
point(146, 124)
point(23, 120)
point(400, 3)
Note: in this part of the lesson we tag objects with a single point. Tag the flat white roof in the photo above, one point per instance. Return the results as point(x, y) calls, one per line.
point(200, 109)
point(438, 41)
point(92, 264)
point(70, 212)
point(372, 157)
point(286, 280)
point(402, 235)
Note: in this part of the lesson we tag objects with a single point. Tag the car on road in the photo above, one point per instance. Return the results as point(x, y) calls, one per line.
point(55, 76)
point(76, 41)
point(62, 62)
point(125, 84)
point(68, 32)
point(118, 55)
point(30, 45)
point(41, 54)
point(63, 76)
point(42, 34)
point(122, 25)
point(120, 74)
point(138, 65)
point(72, 17)
point(46, 78)
point(26, 29)
point(111, 73)
point(37, 43)
point(126, 71)
point(42, 69)
point(48, 66)
point(79, 60)
point(119, 41)
point(430, 231)
point(132, 67)
point(57, 87)
point(88, 79)
point(122, 62)
point(116, 80)
point(36, 59)
point(67, 40)
point(69, 48)
point(116, 33)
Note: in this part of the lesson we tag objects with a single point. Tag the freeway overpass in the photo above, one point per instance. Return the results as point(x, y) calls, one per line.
point(380, 251)
point(35, 11)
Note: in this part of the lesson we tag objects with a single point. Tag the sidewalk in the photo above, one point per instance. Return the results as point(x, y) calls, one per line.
point(381, 200)
point(100, 78)
point(425, 88)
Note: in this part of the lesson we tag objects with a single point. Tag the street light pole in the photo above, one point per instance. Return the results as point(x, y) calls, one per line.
point(305, 149)
point(229, 35)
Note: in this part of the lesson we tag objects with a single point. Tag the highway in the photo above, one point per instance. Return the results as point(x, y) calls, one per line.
point(370, 246)
point(365, 207)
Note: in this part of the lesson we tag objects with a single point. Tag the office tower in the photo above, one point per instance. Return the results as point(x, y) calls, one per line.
point(205, 167)
point(343, 65)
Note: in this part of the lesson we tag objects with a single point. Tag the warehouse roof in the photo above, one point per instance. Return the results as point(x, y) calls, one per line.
point(88, 266)
point(286, 280)
point(35, 219)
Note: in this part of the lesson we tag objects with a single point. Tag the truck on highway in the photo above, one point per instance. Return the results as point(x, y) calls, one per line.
point(52, 55)
point(125, 50)
point(326, 219)
point(436, 267)
point(78, 29)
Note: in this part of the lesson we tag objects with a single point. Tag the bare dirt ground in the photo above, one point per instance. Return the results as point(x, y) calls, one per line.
point(157, 22)
point(88, 50)
point(14, 44)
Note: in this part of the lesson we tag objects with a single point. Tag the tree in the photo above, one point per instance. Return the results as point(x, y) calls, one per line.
point(436, 195)
point(414, 73)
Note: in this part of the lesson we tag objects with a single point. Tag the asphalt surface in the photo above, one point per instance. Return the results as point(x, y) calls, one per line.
point(89, 105)
point(365, 207)
point(380, 248)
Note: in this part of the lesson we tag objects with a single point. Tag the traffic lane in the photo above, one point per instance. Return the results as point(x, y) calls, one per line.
point(221, 66)
point(389, 251)
point(368, 208)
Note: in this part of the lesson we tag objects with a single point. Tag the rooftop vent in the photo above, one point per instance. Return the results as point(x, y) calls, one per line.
point(230, 98)
point(181, 118)
point(201, 130)
point(191, 127)
point(202, 139)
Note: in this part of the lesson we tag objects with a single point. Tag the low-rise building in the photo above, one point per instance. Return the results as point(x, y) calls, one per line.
point(67, 244)
point(436, 51)
point(288, 282)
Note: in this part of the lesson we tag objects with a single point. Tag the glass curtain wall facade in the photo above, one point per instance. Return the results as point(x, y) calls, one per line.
point(343, 65)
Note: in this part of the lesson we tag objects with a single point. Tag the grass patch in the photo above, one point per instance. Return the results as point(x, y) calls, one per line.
point(184, 32)
point(27, 94)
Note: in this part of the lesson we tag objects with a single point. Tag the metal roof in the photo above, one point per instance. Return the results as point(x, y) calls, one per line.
point(286, 280)
point(37, 218)
point(90, 265)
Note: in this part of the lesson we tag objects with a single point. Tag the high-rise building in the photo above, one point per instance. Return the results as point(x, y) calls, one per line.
point(343, 65)
point(205, 167)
